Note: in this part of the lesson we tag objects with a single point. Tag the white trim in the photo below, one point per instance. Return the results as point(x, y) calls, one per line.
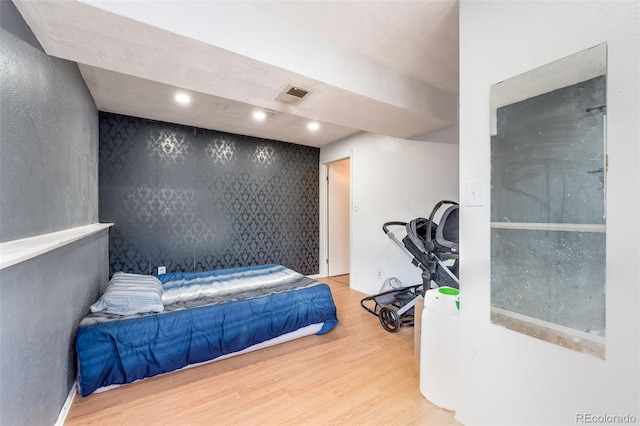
point(572, 227)
point(16, 251)
point(322, 228)
point(64, 411)
point(324, 213)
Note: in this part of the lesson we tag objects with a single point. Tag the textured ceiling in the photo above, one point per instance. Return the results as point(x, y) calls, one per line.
point(387, 67)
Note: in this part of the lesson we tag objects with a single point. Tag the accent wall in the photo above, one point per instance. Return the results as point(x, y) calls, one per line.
point(192, 199)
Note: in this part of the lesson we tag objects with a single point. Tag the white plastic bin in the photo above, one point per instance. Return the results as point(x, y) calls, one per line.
point(439, 347)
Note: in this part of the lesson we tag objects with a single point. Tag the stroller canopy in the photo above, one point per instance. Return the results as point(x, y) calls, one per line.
point(447, 231)
point(417, 237)
point(424, 235)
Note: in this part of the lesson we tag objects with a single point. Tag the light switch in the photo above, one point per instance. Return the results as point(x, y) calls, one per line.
point(474, 194)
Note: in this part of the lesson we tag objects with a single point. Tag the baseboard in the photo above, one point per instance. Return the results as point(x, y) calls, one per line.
point(62, 416)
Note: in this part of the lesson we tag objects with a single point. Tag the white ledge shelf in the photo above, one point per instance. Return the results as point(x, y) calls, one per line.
point(16, 251)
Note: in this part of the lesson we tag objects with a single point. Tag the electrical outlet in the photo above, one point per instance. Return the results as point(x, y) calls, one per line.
point(162, 270)
point(379, 274)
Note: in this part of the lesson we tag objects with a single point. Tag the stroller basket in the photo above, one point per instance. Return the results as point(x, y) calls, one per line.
point(394, 308)
point(434, 249)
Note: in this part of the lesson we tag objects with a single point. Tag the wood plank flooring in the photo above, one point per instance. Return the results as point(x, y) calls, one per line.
point(357, 374)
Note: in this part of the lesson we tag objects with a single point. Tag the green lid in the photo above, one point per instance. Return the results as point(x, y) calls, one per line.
point(449, 291)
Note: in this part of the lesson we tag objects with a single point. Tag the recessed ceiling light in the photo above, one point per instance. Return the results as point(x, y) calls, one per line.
point(182, 98)
point(262, 114)
point(313, 126)
point(259, 115)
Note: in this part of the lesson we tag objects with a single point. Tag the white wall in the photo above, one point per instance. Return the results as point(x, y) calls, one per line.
point(391, 180)
point(507, 377)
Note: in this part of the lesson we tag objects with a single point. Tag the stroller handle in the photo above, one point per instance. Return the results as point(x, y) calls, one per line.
point(386, 225)
point(430, 246)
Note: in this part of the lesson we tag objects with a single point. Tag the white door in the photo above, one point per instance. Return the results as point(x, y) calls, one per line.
point(338, 196)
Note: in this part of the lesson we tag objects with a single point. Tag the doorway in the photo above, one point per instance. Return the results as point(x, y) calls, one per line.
point(339, 217)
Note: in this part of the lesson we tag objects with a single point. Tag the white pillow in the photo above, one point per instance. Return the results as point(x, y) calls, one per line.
point(129, 294)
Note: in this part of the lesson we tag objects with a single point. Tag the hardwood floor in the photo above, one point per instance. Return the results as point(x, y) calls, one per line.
point(357, 374)
point(342, 279)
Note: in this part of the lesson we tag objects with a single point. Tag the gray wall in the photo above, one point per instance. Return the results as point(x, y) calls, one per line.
point(49, 182)
point(194, 199)
point(49, 150)
point(41, 303)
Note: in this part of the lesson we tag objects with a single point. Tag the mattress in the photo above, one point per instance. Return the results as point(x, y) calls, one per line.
point(207, 315)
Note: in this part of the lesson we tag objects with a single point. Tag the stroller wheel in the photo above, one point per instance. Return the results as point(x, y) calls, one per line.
point(389, 319)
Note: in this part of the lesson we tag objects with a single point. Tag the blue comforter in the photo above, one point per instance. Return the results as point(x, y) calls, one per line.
point(122, 350)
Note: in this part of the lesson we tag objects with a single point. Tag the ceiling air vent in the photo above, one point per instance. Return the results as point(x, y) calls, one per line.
point(293, 95)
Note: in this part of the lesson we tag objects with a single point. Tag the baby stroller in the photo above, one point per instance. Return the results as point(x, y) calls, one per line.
point(394, 308)
point(434, 249)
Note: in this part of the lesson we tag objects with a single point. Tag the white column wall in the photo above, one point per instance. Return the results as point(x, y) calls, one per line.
point(506, 377)
point(391, 180)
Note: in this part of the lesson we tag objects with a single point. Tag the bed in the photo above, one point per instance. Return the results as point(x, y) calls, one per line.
point(143, 326)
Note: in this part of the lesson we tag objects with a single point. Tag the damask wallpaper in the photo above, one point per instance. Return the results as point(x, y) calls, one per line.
point(194, 199)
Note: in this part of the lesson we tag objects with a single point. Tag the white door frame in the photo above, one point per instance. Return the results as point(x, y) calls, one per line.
point(324, 215)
